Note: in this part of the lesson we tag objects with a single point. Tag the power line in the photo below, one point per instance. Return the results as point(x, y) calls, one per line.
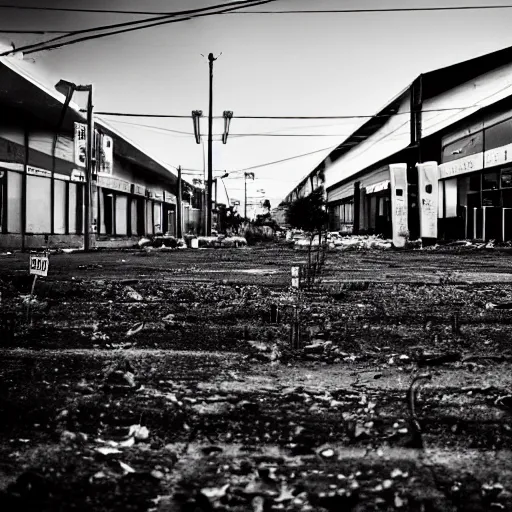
point(353, 116)
point(136, 25)
point(71, 9)
point(284, 159)
point(391, 9)
point(184, 134)
point(164, 116)
point(37, 32)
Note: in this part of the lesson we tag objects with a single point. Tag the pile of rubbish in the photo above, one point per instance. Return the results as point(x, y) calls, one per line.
point(470, 245)
point(161, 242)
point(221, 241)
point(165, 242)
point(362, 242)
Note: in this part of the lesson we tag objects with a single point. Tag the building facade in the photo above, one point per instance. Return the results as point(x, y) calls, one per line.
point(43, 174)
point(443, 145)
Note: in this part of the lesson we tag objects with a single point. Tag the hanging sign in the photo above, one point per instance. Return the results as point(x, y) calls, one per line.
point(107, 153)
point(399, 213)
point(39, 264)
point(80, 144)
point(428, 198)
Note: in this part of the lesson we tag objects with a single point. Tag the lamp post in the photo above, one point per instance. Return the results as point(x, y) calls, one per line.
point(68, 88)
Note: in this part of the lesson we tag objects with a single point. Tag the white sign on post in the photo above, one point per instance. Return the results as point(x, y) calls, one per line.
point(399, 213)
point(39, 265)
point(428, 180)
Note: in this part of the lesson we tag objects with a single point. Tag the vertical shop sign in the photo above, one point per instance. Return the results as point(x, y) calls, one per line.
point(107, 154)
point(428, 181)
point(80, 144)
point(399, 213)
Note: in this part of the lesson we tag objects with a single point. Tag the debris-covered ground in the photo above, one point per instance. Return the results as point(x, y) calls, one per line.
point(167, 381)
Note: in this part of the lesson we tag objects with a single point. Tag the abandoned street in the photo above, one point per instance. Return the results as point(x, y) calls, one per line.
point(151, 380)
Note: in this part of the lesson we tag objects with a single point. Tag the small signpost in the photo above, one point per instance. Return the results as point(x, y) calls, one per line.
point(38, 266)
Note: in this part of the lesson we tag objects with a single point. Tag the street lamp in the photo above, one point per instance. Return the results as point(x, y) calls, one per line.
point(228, 114)
point(196, 114)
point(68, 88)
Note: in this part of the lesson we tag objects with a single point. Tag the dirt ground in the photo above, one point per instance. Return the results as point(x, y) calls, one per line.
point(158, 381)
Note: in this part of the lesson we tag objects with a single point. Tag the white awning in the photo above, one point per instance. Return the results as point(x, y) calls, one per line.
point(377, 187)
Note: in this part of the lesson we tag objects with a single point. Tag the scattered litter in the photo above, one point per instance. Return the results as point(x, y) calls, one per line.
point(133, 295)
point(140, 433)
point(135, 329)
point(215, 492)
point(127, 469)
point(105, 450)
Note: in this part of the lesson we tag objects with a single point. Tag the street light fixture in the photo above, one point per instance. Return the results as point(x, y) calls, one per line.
point(228, 114)
point(196, 114)
point(68, 88)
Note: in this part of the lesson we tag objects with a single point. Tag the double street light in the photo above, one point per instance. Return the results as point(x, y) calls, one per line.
point(196, 114)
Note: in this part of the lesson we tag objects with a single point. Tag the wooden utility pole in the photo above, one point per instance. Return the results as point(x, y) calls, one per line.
point(245, 196)
point(210, 163)
point(179, 231)
point(88, 172)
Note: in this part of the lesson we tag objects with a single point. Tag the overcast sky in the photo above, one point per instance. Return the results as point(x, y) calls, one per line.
point(271, 64)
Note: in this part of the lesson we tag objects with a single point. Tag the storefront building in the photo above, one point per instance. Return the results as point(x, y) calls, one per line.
point(42, 174)
point(435, 162)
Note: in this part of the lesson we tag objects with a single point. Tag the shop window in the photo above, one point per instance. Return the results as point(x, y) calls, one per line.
point(121, 205)
point(491, 198)
point(140, 216)
point(72, 208)
point(108, 213)
point(490, 181)
point(507, 198)
point(440, 202)
point(475, 182)
point(59, 207)
point(14, 181)
point(450, 191)
point(2, 205)
point(506, 177)
point(38, 204)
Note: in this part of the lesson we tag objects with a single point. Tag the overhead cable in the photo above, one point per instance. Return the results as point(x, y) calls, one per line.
point(386, 9)
point(57, 42)
point(164, 116)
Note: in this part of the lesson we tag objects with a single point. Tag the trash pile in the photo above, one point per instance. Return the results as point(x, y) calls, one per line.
point(161, 242)
point(362, 242)
point(221, 241)
point(469, 245)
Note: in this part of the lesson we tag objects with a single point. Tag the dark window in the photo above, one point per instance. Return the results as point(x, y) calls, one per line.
point(491, 198)
point(506, 177)
point(399, 192)
point(507, 198)
point(474, 182)
point(490, 181)
point(428, 189)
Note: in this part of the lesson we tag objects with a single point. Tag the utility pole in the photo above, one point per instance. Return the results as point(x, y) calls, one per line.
point(88, 173)
point(245, 196)
point(179, 232)
point(210, 163)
